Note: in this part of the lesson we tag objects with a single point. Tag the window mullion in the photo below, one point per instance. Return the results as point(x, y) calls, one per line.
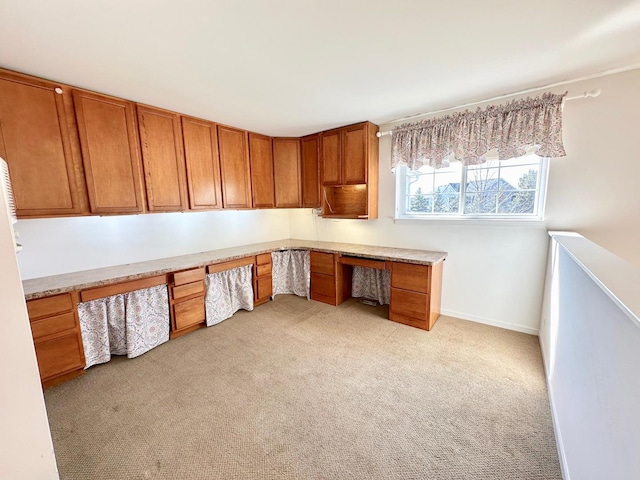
point(463, 190)
point(495, 207)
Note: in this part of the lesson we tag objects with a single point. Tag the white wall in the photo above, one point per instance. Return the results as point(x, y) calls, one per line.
point(594, 189)
point(61, 245)
point(495, 274)
point(26, 450)
point(589, 338)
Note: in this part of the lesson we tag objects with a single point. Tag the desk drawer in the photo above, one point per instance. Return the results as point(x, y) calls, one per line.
point(60, 355)
point(322, 263)
point(409, 304)
point(263, 270)
point(43, 307)
point(50, 325)
point(231, 264)
point(189, 312)
point(323, 288)
point(409, 276)
point(263, 259)
point(188, 276)
point(188, 289)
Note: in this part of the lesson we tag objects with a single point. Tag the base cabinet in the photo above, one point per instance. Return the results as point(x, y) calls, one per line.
point(56, 336)
point(415, 294)
point(186, 296)
point(330, 280)
point(262, 279)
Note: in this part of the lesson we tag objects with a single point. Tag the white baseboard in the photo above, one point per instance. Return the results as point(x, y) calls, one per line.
point(554, 418)
point(489, 321)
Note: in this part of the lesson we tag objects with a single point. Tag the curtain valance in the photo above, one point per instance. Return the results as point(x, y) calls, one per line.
point(513, 129)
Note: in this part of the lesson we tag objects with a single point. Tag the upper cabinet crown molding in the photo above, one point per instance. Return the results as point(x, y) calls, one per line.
point(203, 163)
point(110, 151)
point(163, 159)
point(39, 142)
point(234, 167)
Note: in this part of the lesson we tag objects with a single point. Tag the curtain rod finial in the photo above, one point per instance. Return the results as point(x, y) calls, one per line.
point(593, 93)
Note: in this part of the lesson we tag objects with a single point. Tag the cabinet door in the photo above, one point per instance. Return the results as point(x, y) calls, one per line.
point(59, 355)
point(286, 167)
point(203, 164)
point(261, 157)
point(35, 142)
point(310, 171)
point(109, 137)
point(354, 154)
point(188, 313)
point(330, 151)
point(323, 288)
point(163, 159)
point(234, 166)
point(263, 289)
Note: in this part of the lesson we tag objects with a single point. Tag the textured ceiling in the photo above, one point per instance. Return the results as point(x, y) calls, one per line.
point(297, 67)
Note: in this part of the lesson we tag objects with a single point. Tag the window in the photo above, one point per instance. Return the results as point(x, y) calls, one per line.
point(507, 189)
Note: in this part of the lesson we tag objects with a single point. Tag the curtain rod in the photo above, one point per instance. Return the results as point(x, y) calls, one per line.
point(591, 93)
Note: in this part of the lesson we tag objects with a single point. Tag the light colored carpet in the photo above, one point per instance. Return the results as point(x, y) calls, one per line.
point(301, 390)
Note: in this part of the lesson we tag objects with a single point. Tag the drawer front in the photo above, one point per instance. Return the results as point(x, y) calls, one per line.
point(188, 289)
point(48, 326)
point(263, 270)
point(363, 262)
point(322, 263)
point(409, 304)
point(188, 276)
point(323, 285)
point(123, 287)
point(43, 307)
point(59, 356)
point(263, 259)
point(410, 277)
point(264, 288)
point(189, 312)
point(221, 267)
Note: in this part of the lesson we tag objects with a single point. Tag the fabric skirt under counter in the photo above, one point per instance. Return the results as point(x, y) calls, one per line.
point(129, 324)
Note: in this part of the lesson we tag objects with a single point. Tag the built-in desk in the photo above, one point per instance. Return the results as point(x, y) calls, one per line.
point(415, 288)
point(416, 280)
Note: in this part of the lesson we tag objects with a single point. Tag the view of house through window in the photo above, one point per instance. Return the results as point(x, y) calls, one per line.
point(498, 188)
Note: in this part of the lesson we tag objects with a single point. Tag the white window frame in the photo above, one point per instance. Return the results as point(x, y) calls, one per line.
point(537, 216)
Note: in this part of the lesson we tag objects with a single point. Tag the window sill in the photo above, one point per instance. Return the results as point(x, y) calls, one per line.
point(474, 221)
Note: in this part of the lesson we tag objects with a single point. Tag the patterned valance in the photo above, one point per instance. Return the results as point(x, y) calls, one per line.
point(512, 129)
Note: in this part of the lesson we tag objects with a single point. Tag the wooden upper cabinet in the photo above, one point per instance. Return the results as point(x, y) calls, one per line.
point(163, 159)
point(354, 154)
point(286, 168)
point(110, 151)
point(356, 194)
point(262, 183)
point(44, 164)
point(310, 146)
point(234, 167)
point(203, 163)
point(330, 162)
